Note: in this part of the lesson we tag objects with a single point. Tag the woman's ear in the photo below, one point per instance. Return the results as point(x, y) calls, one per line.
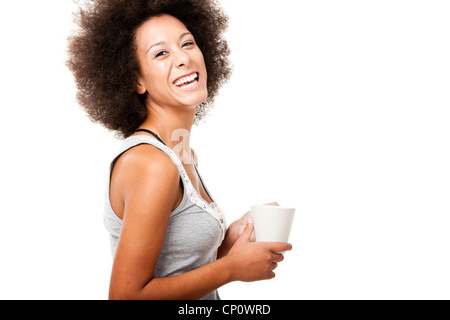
point(140, 88)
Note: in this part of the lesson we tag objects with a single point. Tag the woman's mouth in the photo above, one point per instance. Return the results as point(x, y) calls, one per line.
point(188, 81)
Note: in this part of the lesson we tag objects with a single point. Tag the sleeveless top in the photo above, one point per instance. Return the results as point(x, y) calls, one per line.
point(195, 231)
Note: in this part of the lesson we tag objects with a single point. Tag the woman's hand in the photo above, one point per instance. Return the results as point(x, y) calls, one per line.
point(253, 261)
point(235, 231)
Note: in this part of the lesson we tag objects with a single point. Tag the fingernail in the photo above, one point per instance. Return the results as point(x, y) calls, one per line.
point(249, 220)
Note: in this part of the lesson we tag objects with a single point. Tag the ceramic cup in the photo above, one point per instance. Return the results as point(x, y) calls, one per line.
point(272, 223)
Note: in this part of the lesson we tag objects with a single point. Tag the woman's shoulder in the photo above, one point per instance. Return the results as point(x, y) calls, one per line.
point(145, 158)
point(141, 173)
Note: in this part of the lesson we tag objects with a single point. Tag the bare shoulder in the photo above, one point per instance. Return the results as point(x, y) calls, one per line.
point(141, 173)
point(146, 158)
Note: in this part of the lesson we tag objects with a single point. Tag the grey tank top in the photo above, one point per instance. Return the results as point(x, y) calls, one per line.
point(195, 231)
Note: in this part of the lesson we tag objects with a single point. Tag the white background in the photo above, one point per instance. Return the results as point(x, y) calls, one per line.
point(339, 108)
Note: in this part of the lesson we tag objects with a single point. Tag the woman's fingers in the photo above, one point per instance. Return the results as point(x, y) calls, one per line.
point(279, 246)
point(277, 257)
point(246, 234)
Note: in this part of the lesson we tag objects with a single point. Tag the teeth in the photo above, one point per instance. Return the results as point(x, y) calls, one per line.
point(186, 86)
point(186, 79)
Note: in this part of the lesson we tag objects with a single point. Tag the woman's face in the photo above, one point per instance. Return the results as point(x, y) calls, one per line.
point(173, 70)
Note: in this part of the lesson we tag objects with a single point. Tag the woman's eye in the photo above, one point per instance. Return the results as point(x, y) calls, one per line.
point(188, 44)
point(161, 53)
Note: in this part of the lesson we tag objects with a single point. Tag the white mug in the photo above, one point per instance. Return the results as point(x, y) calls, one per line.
point(272, 223)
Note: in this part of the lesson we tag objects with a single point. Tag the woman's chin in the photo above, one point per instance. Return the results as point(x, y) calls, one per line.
point(192, 103)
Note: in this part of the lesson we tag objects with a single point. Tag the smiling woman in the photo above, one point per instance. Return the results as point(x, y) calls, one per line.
point(149, 70)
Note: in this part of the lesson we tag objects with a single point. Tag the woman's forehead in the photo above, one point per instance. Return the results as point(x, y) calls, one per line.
point(161, 28)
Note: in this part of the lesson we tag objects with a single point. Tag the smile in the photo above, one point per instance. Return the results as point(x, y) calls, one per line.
point(187, 81)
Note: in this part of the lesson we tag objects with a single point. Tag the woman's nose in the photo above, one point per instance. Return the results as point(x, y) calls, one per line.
point(181, 58)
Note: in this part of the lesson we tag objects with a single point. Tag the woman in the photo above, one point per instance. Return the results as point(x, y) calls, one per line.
point(148, 70)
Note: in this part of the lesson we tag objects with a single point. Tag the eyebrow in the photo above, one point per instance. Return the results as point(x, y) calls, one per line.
point(162, 42)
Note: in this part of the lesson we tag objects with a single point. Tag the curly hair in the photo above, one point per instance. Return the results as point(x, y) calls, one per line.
point(102, 54)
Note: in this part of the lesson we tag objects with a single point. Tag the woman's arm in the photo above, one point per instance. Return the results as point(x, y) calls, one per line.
point(246, 261)
point(144, 188)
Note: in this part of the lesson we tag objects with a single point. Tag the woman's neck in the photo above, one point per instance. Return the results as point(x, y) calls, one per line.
point(174, 128)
